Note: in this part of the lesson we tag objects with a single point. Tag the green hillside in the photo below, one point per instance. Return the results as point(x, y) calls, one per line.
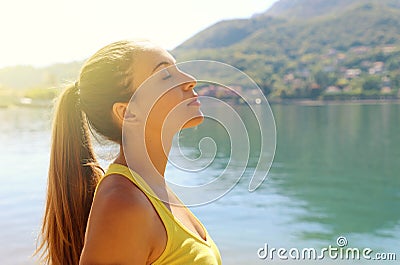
point(306, 9)
point(25, 76)
point(336, 49)
point(38, 84)
point(310, 9)
point(335, 55)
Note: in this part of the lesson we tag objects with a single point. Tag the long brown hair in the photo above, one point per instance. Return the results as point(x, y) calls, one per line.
point(104, 79)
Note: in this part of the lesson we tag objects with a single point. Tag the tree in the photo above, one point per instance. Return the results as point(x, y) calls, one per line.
point(371, 83)
point(395, 77)
point(325, 79)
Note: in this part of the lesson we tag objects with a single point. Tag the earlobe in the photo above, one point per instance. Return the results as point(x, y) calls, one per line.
point(130, 116)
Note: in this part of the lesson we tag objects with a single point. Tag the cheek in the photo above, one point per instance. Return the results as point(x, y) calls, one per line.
point(169, 101)
point(166, 105)
point(171, 109)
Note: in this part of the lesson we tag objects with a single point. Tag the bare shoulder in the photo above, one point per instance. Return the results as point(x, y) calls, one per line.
point(122, 225)
point(118, 195)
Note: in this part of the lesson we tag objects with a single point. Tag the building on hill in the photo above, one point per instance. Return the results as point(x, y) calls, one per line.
point(352, 73)
point(377, 68)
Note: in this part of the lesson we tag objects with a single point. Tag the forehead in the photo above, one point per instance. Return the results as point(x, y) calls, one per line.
point(150, 57)
point(146, 60)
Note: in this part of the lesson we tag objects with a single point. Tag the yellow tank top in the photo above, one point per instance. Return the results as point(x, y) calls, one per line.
point(183, 246)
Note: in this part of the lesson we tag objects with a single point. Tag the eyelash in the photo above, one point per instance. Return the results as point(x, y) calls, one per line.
point(166, 73)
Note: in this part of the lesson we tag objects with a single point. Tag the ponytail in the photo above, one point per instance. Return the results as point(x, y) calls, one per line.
point(72, 177)
point(105, 78)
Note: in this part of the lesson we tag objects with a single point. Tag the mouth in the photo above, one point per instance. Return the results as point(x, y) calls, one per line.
point(194, 102)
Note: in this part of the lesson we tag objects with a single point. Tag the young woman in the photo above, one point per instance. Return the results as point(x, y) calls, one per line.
point(128, 215)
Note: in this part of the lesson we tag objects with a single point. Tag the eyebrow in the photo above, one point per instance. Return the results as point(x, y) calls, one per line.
point(160, 64)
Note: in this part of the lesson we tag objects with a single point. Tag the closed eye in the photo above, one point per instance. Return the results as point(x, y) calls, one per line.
point(165, 73)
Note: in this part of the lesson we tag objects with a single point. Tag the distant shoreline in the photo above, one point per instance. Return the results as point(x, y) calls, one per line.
point(309, 102)
point(296, 102)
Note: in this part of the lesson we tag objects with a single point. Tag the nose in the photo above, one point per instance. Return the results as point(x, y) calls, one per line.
point(188, 82)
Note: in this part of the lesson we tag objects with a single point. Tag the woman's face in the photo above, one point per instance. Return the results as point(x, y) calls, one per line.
point(165, 92)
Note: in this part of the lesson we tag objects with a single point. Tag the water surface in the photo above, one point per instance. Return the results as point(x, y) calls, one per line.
point(335, 173)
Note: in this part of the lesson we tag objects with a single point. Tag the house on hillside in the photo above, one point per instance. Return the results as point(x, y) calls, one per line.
point(288, 78)
point(360, 49)
point(333, 90)
point(376, 68)
point(341, 57)
point(389, 49)
point(386, 90)
point(352, 73)
point(366, 64)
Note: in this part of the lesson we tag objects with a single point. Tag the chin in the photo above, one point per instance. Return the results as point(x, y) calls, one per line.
point(193, 122)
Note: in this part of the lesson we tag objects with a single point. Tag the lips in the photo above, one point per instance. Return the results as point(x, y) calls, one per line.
point(194, 102)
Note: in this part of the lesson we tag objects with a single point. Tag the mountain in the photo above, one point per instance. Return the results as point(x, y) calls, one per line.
point(293, 16)
point(291, 45)
point(308, 9)
point(25, 76)
point(227, 33)
point(303, 48)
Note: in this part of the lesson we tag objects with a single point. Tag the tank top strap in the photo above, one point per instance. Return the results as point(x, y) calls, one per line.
point(127, 173)
point(183, 247)
point(133, 177)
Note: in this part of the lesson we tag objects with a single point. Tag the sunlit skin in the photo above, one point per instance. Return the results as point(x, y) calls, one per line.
point(123, 226)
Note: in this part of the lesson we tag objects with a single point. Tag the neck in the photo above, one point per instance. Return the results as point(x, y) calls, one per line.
point(149, 157)
point(158, 149)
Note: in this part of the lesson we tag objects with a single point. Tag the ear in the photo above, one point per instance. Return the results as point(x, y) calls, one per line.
point(118, 112)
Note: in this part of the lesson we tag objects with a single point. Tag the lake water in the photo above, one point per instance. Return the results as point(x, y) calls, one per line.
point(335, 173)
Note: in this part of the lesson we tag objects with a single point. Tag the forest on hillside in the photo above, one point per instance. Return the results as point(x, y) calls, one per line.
point(353, 54)
point(305, 49)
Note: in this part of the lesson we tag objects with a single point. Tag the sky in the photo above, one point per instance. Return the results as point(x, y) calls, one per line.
point(44, 32)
